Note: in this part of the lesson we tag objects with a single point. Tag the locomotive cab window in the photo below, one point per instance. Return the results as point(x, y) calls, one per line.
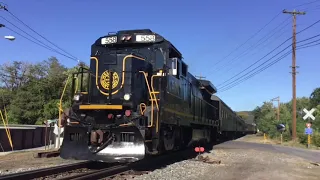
point(184, 69)
point(174, 62)
point(173, 67)
point(159, 59)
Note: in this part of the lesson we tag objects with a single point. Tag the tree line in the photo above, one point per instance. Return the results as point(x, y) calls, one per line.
point(31, 92)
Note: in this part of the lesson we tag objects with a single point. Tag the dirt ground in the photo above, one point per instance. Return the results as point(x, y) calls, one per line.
point(26, 160)
point(239, 163)
point(254, 164)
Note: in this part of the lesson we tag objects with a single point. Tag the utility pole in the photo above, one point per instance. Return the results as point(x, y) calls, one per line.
point(200, 77)
point(278, 109)
point(294, 14)
point(3, 7)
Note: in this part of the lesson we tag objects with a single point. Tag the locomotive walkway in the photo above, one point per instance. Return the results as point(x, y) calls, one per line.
point(310, 155)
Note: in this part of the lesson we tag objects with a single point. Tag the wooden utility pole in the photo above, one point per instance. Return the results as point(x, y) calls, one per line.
point(294, 14)
point(278, 109)
point(200, 77)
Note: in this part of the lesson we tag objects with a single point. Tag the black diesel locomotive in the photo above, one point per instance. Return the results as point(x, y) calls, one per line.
point(137, 98)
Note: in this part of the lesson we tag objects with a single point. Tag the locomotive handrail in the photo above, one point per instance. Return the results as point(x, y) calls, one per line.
point(60, 103)
point(77, 83)
point(156, 100)
point(144, 110)
point(153, 98)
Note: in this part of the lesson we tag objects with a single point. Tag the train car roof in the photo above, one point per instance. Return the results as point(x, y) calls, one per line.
point(208, 85)
point(216, 98)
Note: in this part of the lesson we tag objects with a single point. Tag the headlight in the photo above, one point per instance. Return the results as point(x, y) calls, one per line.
point(145, 38)
point(76, 97)
point(109, 40)
point(126, 97)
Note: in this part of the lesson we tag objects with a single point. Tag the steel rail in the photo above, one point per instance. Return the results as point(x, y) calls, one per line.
point(45, 171)
point(98, 174)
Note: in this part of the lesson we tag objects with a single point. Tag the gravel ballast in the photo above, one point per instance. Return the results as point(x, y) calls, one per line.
point(238, 164)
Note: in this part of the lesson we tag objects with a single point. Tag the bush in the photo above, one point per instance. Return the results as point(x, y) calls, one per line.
point(286, 136)
point(315, 138)
point(303, 139)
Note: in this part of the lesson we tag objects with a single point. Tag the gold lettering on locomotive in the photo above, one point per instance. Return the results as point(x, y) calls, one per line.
point(105, 80)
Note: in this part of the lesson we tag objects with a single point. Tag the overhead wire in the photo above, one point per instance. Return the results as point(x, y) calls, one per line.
point(257, 44)
point(39, 43)
point(242, 55)
point(268, 53)
point(269, 60)
point(229, 85)
point(260, 64)
point(264, 68)
point(248, 39)
point(6, 9)
point(257, 72)
point(259, 49)
point(42, 44)
point(307, 3)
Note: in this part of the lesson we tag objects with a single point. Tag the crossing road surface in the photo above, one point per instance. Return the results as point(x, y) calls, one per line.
point(309, 155)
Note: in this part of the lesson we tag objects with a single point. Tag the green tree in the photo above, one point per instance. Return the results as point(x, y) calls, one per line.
point(27, 106)
point(15, 75)
point(315, 98)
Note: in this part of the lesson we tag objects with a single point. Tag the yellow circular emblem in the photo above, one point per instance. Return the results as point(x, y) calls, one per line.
point(105, 80)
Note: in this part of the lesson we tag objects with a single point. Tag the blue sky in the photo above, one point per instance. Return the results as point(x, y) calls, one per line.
point(204, 32)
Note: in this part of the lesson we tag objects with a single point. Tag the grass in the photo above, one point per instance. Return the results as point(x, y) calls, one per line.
point(258, 138)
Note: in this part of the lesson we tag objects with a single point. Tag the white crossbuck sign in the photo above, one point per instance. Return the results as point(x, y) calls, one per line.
point(309, 114)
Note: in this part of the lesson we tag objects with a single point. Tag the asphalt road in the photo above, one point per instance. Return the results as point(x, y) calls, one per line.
point(310, 155)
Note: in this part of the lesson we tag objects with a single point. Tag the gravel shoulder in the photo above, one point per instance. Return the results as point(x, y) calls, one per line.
point(25, 161)
point(244, 164)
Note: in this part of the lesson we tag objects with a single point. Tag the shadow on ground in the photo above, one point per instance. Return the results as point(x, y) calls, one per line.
point(159, 162)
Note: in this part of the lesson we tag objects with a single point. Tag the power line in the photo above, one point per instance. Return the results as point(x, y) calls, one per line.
point(298, 47)
point(307, 3)
point(256, 61)
point(262, 69)
point(254, 46)
point(39, 43)
point(268, 60)
point(43, 44)
point(257, 72)
point(269, 53)
point(267, 66)
point(256, 67)
point(264, 45)
point(6, 9)
point(218, 69)
point(248, 39)
point(310, 42)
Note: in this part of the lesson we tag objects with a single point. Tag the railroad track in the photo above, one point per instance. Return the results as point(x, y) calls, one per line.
point(98, 170)
point(60, 172)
